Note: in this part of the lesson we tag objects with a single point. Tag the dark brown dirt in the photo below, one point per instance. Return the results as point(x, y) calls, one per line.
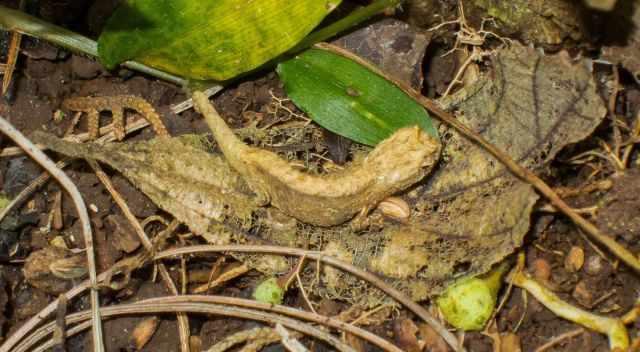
point(47, 75)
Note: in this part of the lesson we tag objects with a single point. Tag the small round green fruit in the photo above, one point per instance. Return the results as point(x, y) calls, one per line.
point(269, 291)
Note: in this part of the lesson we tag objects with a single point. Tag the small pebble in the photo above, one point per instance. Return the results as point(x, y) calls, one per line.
point(541, 270)
point(594, 265)
point(582, 294)
point(575, 259)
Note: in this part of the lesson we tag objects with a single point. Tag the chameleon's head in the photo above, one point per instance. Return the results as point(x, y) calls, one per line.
point(405, 157)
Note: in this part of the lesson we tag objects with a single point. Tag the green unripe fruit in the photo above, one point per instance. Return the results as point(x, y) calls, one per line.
point(468, 303)
point(269, 292)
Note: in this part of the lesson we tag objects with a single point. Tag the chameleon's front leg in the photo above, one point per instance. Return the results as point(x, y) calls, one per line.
point(361, 221)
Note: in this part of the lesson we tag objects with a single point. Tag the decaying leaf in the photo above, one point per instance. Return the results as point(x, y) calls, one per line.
point(38, 269)
point(537, 21)
point(197, 190)
point(393, 46)
point(395, 164)
point(530, 106)
point(472, 212)
point(406, 331)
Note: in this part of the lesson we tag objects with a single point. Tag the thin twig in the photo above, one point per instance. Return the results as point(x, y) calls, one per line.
point(560, 338)
point(68, 185)
point(59, 334)
point(288, 341)
point(263, 335)
point(188, 103)
point(315, 255)
point(224, 306)
point(521, 172)
point(14, 49)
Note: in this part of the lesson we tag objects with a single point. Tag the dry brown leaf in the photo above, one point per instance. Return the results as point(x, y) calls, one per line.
point(431, 340)
point(405, 331)
point(143, 332)
point(393, 46)
point(197, 190)
point(474, 212)
point(510, 343)
point(535, 21)
point(37, 269)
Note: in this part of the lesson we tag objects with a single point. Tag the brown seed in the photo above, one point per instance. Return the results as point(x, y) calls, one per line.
point(395, 208)
point(575, 259)
point(541, 270)
point(143, 332)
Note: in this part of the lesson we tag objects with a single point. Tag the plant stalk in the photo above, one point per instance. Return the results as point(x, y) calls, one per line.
point(18, 21)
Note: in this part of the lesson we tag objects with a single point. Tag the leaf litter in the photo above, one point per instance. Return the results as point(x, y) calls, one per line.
point(468, 215)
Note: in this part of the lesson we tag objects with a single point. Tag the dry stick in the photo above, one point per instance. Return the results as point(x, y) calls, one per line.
point(560, 338)
point(44, 177)
point(257, 336)
point(290, 342)
point(60, 334)
point(319, 256)
point(523, 173)
point(14, 49)
point(68, 185)
point(247, 309)
point(183, 320)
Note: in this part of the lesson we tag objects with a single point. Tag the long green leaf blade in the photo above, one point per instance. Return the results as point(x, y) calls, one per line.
point(349, 99)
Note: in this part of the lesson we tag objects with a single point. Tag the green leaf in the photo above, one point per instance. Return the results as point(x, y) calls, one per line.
point(349, 99)
point(215, 39)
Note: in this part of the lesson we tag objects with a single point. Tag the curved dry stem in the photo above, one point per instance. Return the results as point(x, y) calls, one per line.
point(612, 327)
point(68, 185)
point(319, 256)
point(523, 173)
point(228, 306)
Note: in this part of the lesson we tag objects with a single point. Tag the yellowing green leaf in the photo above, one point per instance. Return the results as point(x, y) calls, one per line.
point(216, 39)
point(349, 99)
